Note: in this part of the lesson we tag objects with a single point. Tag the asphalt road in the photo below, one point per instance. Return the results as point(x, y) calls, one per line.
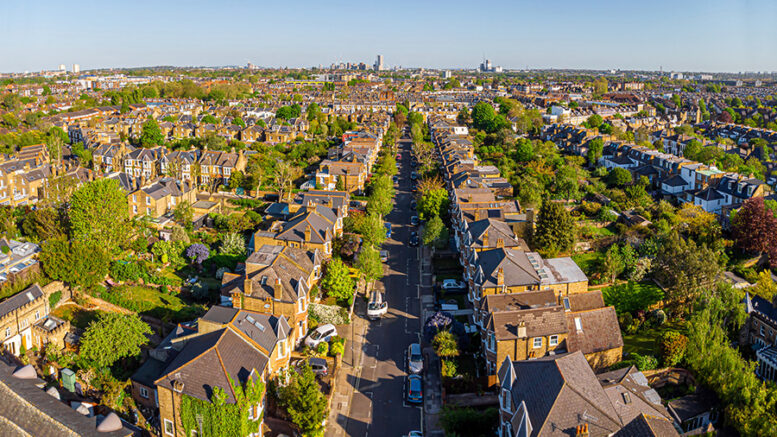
point(378, 406)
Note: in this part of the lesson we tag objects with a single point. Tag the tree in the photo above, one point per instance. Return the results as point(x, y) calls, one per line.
point(595, 121)
point(42, 224)
point(619, 177)
point(151, 134)
point(432, 202)
point(765, 286)
point(369, 263)
point(434, 233)
point(55, 258)
point(685, 269)
point(89, 264)
point(555, 231)
point(692, 149)
point(337, 281)
point(304, 401)
point(614, 263)
point(198, 253)
point(284, 176)
point(232, 244)
point(99, 214)
point(184, 214)
point(445, 344)
point(114, 336)
point(372, 229)
point(753, 227)
point(595, 148)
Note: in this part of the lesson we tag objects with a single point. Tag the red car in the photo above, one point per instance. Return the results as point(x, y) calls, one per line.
point(399, 156)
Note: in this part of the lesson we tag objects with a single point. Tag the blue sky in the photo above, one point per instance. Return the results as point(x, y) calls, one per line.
point(679, 35)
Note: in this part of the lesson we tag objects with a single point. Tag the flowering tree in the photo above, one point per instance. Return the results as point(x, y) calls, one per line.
point(198, 253)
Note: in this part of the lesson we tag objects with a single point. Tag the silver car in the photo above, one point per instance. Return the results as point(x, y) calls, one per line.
point(415, 361)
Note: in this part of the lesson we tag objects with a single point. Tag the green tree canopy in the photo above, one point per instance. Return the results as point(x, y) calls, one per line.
point(555, 230)
point(114, 336)
point(336, 281)
point(99, 214)
point(151, 134)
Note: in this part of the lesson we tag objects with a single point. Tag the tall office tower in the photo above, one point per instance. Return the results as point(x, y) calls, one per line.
point(76, 68)
point(379, 63)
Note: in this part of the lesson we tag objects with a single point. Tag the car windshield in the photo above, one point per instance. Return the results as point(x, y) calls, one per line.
point(316, 335)
point(374, 306)
point(415, 357)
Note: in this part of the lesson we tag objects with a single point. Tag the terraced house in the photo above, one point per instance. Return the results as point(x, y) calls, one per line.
point(144, 162)
point(160, 197)
point(216, 167)
point(313, 227)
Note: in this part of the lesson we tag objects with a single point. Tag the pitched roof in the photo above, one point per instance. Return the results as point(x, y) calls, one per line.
point(600, 330)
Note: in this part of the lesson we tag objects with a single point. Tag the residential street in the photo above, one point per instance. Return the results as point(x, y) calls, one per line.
point(377, 406)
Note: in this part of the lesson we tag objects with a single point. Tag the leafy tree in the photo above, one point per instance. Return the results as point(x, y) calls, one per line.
point(89, 264)
point(765, 286)
point(337, 281)
point(288, 112)
point(673, 345)
point(369, 263)
point(631, 297)
point(114, 336)
point(151, 134)
point(753, 228)
point(434, 233)
point(486, 119)
point(372, 229)
point(184, 214)
point(198, 253)
point(555, 231)
point(614, 264)
point(595, 121)
point(445, 345)
point(595, 148)
point(232, 244)
point(99, 215)
point(42, 224)
point(55, 258)
point(685, 270)
point(304, 401)
point(619, 177)
point(433, 202)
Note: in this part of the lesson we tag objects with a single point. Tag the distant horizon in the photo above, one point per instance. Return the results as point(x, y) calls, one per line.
point(712, 36)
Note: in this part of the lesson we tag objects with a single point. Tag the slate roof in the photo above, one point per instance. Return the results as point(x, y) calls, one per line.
point(516, 268)
point(518, 301)
point(495, 230)
point(600, 331)
point(18, 300)
point(210, 360)
point(648, 426)
point(539, 322)
point(27, 410)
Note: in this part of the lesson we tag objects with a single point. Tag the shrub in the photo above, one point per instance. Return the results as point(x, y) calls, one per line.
point(337, 346)
point(673, 345)
point(645, 362)
point(322, 349)
point(333, 314)
point(631, 297)
point(658, 317)
point(54, 298)
point(126, 271)
point(448, 368)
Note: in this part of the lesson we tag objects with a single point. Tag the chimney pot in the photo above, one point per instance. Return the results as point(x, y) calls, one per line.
point(278, 289)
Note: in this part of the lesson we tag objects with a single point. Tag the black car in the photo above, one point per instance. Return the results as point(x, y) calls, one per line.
point(413, 239)
point(413, 176)
point(413, 203)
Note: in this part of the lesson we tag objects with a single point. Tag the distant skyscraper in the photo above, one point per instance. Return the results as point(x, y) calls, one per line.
point(446, 74)
point(379, 63)
point(250, 66)
point(62, 67)
point(76, 68)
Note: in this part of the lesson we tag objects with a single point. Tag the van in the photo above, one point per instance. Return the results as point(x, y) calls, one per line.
point(377, 306)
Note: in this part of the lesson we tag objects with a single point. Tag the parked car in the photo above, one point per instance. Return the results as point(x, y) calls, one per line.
point(415, 434)
point(415, 361)
point(413, 175)
point(317, 365)
point(377, 307)
point(413, 204)
point(399, 156)
point(384, 255)
point(321, 333)
point(413, 241)
point(414, 392)
point(388, 229)
point(452, 284)
point(414, 221)
point(395, 179)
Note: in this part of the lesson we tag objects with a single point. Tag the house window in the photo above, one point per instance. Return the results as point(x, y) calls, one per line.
point(491, 341)
point(537, 342)
point(553, 341)
point(143, 393)
point(578, 324)
point(37, 315)
point(148, 211)
point(282, 348)
point(148, 201)
point(7, 332)
point(134, 197)
point(567, 306)
point(25, 323)
point(134, 209)
point(762, 330)
point(301, 305)
point(168, 427)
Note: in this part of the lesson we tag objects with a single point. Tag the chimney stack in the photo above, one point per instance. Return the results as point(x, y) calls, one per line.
point(307, 233)
point(500, 243)
point(500, 277)
point(582, 430)
point(248, 287)
point(485, 239)
point(278, 289)
point(522, 330)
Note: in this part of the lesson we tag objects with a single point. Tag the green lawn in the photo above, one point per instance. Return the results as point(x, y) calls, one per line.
point(148, 300)
point(646, 341)
point(77, 316)
point(588, 262)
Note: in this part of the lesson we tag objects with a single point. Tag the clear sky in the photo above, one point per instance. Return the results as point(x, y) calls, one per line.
point(711, 35)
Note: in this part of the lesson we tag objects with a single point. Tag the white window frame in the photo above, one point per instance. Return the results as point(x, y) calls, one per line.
point(172, 427)
point(7, 332)
point(535, 340)
point(579, 324)
point(143, 392)
point(37, 315)
point(553, 340)
point(282, 348)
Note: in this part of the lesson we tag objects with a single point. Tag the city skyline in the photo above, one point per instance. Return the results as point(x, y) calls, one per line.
point(608, 35)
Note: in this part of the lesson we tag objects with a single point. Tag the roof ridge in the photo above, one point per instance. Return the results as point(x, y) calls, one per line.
point(224, 368)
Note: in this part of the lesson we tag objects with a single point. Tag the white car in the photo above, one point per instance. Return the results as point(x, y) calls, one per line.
point(452, 284)
point(415, 361)
point(377, 307)
point(322, 333)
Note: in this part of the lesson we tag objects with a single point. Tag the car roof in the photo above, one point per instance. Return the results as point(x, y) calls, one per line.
point(415, 348)
point(318, 361)
point(327, 326)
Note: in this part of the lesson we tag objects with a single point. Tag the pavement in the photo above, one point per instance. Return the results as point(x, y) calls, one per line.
point(369, 396)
